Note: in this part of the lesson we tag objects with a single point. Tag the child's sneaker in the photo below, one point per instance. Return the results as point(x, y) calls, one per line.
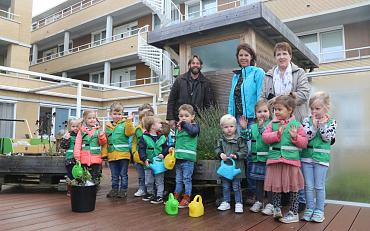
point(122, 193)
point(157, 200)
point(224, 206)
point(238, 208)
point(318, 216)
point(113, 193)
point(184, 203)
point(277, 213)
point(268, 210)
point(139, 193)
point(256, 207)
point(290, 218)
point(148, 197)
point(307, 215)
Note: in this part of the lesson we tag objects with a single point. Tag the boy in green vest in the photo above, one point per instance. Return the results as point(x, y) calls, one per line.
point(117, 150)
point(152, 145)
point(186, 152)
point(320, 129)
point(68, 143)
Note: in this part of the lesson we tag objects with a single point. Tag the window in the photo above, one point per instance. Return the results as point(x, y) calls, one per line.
point(217, 56)
point(49, 54)
point(196, 9)
point(98, 38)
point(125, 30)
point(124, 77)
point(7, 127)
point(156, 21)
point(97, 77)
point(327, 45)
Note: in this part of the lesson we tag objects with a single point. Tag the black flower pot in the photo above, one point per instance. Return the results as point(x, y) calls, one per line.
point(83, 198)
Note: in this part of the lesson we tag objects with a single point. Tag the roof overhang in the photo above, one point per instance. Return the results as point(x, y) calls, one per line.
point(257, 16)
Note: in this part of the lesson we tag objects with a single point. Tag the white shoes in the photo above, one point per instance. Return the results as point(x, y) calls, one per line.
point(224, 206)
point(239, 208)
point(139, 193)
point(257, 207)
point(268, 210)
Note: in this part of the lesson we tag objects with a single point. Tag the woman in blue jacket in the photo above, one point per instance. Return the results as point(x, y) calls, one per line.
point(245, 91)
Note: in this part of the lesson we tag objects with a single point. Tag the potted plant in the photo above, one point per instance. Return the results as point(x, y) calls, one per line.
point(83, 190)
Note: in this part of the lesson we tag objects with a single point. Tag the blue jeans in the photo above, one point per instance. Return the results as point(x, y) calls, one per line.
point(158, 179)
point(314, 180)
point(119, 170)
point(140, 176)
point(184, 173)
point(226, 187)
point(251, 184)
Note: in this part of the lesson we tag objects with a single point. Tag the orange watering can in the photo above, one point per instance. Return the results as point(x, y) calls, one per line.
point(170, 159)
point(196, 208)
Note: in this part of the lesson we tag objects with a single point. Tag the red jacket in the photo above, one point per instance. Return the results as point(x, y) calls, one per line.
point(84, 156)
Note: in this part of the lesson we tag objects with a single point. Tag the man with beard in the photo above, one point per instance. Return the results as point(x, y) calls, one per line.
point(190, 88)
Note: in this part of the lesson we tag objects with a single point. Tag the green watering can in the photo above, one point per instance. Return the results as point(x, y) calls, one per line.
point(172, 205)
point(77, 170)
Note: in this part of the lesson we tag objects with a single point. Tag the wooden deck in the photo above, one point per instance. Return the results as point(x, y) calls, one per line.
point(32, 209)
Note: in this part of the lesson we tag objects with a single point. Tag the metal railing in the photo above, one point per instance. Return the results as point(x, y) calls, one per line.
point(96, 43)
point(8, 15)
point(342, 55)
point(136, 82)
point(64, 13)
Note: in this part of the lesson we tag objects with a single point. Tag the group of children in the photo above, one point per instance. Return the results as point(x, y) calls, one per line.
point(281, 149)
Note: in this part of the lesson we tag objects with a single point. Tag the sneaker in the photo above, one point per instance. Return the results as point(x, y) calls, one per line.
point(238, 208)
point(256, 207)
point(290, 218)
point(157, 200)
point(148, 197)
point(268, 210)
point(113, 193)
point(122, 193)
point(224, 206)
point(277, 213)
point(318, 216)
point(184, 203)
point(139, 193)
point(307, 215)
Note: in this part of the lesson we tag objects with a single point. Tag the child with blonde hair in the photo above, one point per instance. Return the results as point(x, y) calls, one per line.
point(117, 150)
point(68, 143)
point(320, 129)
point(259, 154)
point(152, 145)
point(231, 145)
point(286, 138)
point(186, 153)
point(144, 111)
point(88, 144)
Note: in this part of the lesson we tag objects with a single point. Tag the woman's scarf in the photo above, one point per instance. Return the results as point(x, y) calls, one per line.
point(283, 85)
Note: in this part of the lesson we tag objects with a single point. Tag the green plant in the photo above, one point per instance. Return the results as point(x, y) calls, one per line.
point(81, 181)
point(210, 131)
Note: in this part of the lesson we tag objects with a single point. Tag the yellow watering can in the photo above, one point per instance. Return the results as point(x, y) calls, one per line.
point(170, 159)
point(196, 208)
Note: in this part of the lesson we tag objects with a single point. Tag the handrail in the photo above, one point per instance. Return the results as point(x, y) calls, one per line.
point(64, 13)
point(146, 81)
point(181, 16)
point(342, 55)
point(9, 15)
point(124, 35)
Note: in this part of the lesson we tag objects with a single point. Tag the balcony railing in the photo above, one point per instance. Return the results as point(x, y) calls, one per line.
point(96, 43)
point(9, 16)
point(77, 7)
point(342, 55)
point(136, 82)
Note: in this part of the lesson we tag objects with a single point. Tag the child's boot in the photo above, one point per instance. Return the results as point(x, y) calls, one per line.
point(176, 196)
point(122, 193)
point(185, 201)
point(113, 193)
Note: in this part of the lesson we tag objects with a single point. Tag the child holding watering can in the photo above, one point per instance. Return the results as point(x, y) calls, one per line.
point(153, 147)
point(231, 145)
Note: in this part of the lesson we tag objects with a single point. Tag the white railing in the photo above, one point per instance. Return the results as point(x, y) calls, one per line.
point(64, 13)
point(8, 15)
point(342, 55)
point(166, 10)
point(136, 82)
point(96, 43)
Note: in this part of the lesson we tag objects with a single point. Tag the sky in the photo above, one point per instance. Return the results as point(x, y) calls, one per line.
point(40, 6)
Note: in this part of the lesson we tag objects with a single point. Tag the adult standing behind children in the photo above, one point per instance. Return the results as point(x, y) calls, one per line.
point(190, 88)
point(117, 150)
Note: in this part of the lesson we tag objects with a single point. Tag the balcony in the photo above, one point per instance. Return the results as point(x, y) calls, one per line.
point(9, 25)
point(120, 45)
point(9, 16)
point(82, 16)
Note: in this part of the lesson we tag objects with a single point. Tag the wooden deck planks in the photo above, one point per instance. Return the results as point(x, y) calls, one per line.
point(344, 219)
point(362, 221)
